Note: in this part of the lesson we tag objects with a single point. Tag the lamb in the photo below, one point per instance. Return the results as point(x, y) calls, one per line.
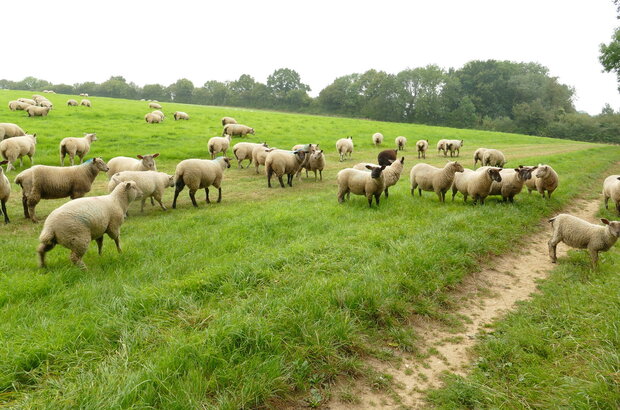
point(391, 173)
point(259, 156)
point(152, 118)
point(316, 163)
point(493, 158)
point(5, 192)
point(180, 115)
point(344, 147)
point(76, 146)
point(400, 143)
point(16, 148)
point(228, 120)
point(10, 130)
point(476, 184)
point(237, 129)
point(151, 183)
point(282, 162)
point(544, 179)
point(46, 182)
point(244, 150)
point(218, 144)
point(27, 101)
point(454, 145)
point(72, 103)
point(422, 146)
point(34, 111)
point(479, 155)
point(76, 223)
point(143, 163)
point(577, 233)
point(359, 182)
point(377, 138)
point(386, 157)
point(512, 182)
point(611, 189)
point(429, 178)
point(197, 174)
point(155, 106)
point(18, 105)
point(441, 146)
point(85, 102)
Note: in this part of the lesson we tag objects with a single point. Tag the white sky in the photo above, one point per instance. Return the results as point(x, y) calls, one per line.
point(161, 41)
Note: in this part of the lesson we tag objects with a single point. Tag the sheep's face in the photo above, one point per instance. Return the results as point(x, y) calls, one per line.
point(132, 190)
point(100, 164)
point(543, 171)
point(613, 226)
point(252, 131)
point(525, 173)
point(170, 180)
point(494, 174)
point(317, 154)
point(148, 161)
point(227, 161)
point(456, 166)
point(375, 172)
point(301, 155)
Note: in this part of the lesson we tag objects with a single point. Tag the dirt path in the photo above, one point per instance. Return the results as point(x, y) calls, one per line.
point(484, 297)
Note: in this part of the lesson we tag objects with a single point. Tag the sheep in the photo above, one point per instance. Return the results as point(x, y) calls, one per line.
point(429, 178)
point(476, 184)
point(76, 223)
point(46, 104)
point(27, 101)
point(83, 94)
point(244, 150)
point(479, 155)
point(359, 182)
point(577, 233)
point(441, 146)
point(197, 174)
point(180, 115)
point(161, 114)
point(282, 162)
point(152, 118)
point(16, 148)
point(72, 103)
point(344, 147)
point(493, 158)
point(218, 144)
point(76, 146)
point(422, 147)
point(85, 102)
point(259, 156)
point(151, 183)
point(611, 189)
point(377, 138)
point(237, 129)
point(309, 149)
point(512, 182)
point(316, 162)
point(155, 106)
point(544, 179)
point(46, 182)
point(454, 145)
point(391, 173)
point(18, 105)
point(386, 157)
point(143, 163)
point(10, 130)
point(400, 143)
point(5, 192)
point(228, 120)
point(34, 111)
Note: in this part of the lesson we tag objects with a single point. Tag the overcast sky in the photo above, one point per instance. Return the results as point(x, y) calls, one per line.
point(161, 41)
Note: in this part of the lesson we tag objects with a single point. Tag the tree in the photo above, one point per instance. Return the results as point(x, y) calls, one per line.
point(181, 91)
point(154, 92)
point(610, 55)
point(282, 83)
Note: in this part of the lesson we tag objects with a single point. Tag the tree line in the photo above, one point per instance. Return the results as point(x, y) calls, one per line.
point(491, 95)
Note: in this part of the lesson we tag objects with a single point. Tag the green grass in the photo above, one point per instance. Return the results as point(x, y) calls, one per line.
point(268, 295)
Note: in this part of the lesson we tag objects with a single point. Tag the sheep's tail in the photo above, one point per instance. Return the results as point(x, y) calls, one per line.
point(18, 180)
point(235, 154)
point(47, 236)
point(551, 220)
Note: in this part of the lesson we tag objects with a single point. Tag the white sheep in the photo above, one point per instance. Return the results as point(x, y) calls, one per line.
point(344, 147)
point(73, 146)
point(152, 118)
point(243, 151)
point(46, 104)
point(198, 174)
point(479, 155)
point(151, 183)
point(308, 149)
point(315, 163)
point(5, 192)
point(359, 182)
point(577, 233)
point(280, 162)
point(259, 156)
point(493, 158)
point(160, 113)
point(143, 163)
point(16, 148)
point(426, 177)
point(512, 182)
point(228, 120)
point(85, 102)
point(400, 143)
point(377, 138)
point(441, 146)
point(454, 146)
point(76, 223)
point(18, 105)
point(611, 189)
point(476, 184)
point(72, 103)
point(237, 129)
point(155, 106)
point(180, 115)
point(34, 111)
point(544, 179)
point(27, 101)
point(218, 144)
point(422, 147)
point(10, 130)
point(391, 173)
point(46, 182)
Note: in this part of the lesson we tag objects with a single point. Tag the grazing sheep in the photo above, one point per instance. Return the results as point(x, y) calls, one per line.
point(161, 114)
point(344, 147)
point(479, 155)
point(10, 130)
point(72, 103)
point(426, 177)
point(476, 184)
point(316, 163)
point(27, 101)
point(493, 158)
point(386, 157)
point(34, 111)
point(151, 183)
point(237, 129)
point(228, 120)
point(359, 182)
point(16, 148)
point(282, 162)
point(611, 189)
point(76, 146)
point(218, 144)
point(544, 179)
point(180, 115)
point(377, 138)
point(83, 95)
point(400, 143)
point(18, 105)
point(143, 163)
point(85, 102)
point(441, 146)
point(454, 146)
point(5, 192)
point(155, 106)
point(391, 173)
point(512, 182)
point(244, 150)
point(46, 104)
point(259, 156)
point(197, 174)
point(577, 233)
point(46, 182)
point(422, 147)
point(152, 118)
point(76, 223)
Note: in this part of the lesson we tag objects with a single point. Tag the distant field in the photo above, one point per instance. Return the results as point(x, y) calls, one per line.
point(266, 296)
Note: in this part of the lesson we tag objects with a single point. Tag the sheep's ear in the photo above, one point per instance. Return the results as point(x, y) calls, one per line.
point(618, 178)
point(370, 167)
point(605, 221)
point(155, 155)
point(127, 185)
point(520, 166)
point(402, 160)
point(382, 167)
point(6, 161)
point(517, 169)
point(139, 157)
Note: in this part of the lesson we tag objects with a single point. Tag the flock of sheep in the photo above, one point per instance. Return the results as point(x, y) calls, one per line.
point(77, 222)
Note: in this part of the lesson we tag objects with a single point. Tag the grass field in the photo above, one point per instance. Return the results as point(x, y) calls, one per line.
point(264, 297)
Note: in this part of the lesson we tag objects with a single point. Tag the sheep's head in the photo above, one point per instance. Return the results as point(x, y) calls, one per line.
point(613, 226)
point(6, 161)
point(170, 180)
point(100, 164)
point(543, 171)
point(264, 144)
point(455, 166)
point(525, 173)
point(148, 161)
point(317, 154)
point(301, 155)
point(227, 161)
point(131, 190)
point(375, 172)
point(252, 131)
point(494, 174)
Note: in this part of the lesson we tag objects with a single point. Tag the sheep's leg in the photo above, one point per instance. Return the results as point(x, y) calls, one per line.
point(320, 173)
point(454, 191)
point(177, 189)
point(62, 160)
point(465, 198)
point(42, 250)
point(6, 216)
point(142, 204)
point(99, 244)
point(377, 196)
point(31, 205)
point(76, 257)
point(420, 191)
point(207, 195)
point(341, 196)
point(606, 201)
point(281, 182)
point(158, 199)
point(152, 202)
point(192, 195)
point(553, 243)
point(593, 257)
point(115, 234)
point(21, 162)
point(25, 205)
point(31, 159)
point(289, 180)
point(386, 193)
point(269, 175)
point(219, 195)
point(370, 197)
